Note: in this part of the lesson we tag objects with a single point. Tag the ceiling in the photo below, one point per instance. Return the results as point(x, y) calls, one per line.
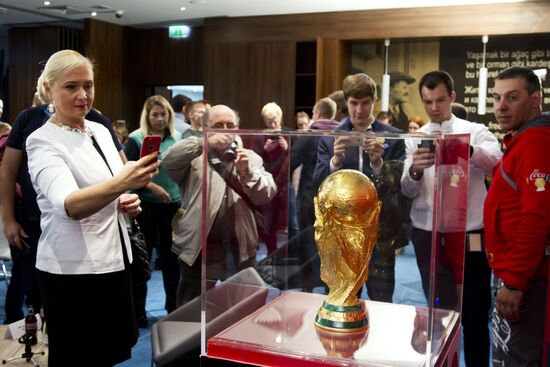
point(152, 14)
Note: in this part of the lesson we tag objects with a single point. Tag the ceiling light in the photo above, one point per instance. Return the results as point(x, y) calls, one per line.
point(47, 3)
point(183, 8)
point(482, 86)
point(93, 14)
point(386, 78)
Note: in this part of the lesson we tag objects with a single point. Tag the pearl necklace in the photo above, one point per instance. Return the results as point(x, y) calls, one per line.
point(66, 127)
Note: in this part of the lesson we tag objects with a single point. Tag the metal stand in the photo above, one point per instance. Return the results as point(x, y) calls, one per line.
point(29, 354)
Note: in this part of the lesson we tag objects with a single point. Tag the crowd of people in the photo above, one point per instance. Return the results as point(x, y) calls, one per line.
point(71, 181)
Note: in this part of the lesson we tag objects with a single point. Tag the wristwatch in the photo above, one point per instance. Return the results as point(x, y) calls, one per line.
point(415, 175)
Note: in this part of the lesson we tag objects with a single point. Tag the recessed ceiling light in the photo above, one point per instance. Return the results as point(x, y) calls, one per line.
point(93, 14)
point(47, 3)
point(183, 8)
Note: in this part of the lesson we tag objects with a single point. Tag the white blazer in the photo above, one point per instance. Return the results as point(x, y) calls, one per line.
point(61, 162)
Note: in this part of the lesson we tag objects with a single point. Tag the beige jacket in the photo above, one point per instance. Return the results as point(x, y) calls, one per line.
point(183, 161)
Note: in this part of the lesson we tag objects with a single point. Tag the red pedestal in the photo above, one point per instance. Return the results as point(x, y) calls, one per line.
point(282, 333)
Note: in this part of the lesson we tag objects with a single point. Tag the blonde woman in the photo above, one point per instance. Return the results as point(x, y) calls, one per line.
point(273, 149)
point(159, 200)
point(84, 253)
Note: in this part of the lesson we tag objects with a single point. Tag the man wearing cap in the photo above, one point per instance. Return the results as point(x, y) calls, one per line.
point(399, 98)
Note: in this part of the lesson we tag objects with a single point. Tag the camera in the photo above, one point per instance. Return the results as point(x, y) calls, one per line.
point(230, 154)
point(119, 13)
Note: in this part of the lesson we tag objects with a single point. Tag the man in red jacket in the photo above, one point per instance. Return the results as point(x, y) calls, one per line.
point(517, 220)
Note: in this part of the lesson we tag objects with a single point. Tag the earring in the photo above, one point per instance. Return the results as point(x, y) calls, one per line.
point(51, 108)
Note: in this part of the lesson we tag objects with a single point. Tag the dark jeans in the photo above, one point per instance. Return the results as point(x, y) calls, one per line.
point(23, 287)
point(308, 259)
point(520, 343)
point(476, 291)
point(292, 213)
point(155, 222)
point(381, 281)
point(272, 213)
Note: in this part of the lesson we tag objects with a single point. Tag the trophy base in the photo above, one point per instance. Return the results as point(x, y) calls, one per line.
point(343, 319)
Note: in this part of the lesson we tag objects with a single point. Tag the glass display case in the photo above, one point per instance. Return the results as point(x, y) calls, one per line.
point(261, 280)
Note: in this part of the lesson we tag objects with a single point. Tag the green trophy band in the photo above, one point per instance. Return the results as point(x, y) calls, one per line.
point(346, 224)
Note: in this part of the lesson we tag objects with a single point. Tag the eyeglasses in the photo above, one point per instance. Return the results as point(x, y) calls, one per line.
point(224, 125)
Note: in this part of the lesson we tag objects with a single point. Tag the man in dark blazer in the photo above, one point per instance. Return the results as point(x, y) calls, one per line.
point(304, 154)
point(374, 157)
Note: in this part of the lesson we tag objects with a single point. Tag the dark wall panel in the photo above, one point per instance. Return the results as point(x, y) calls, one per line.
point(247, 75)
point(153, 59)
point(29, 50)
point(108, 57)
point(129, 60)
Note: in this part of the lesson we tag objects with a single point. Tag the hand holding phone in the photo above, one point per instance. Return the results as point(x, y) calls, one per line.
point(150, 144)
point(427, 144)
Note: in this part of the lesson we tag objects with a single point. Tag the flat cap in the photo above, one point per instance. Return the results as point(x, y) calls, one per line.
point(397, 76)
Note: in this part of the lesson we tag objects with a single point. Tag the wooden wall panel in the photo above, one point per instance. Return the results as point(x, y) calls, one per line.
point(333, 64)
point(28, 48)
point(161, 60)
point(230, 39)
point(153, 59)
point(493, 19)
point(130, 59)
point(108, 57)
point(247, 75)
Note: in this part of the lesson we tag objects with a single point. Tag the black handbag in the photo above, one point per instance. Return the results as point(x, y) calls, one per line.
point(141, 270)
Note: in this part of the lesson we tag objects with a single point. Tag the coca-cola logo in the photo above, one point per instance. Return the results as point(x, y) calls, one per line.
point(538, 174)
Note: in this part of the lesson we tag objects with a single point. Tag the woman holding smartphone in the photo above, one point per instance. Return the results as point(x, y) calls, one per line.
point(83, 258)
point(159, 199)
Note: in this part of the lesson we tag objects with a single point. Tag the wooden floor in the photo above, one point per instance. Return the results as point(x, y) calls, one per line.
point(10, 348)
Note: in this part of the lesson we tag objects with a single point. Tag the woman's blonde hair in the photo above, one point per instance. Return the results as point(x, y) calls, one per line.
point(271, 110)
point(120, 127)
point(58, 63)
point(148, 106)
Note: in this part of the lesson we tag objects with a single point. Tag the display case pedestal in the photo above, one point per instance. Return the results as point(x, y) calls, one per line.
point(282, 333)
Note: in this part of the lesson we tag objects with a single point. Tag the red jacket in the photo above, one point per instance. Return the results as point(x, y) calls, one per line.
point(517, 220)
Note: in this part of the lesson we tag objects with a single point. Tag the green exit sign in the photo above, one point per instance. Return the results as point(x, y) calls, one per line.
point(178, 31)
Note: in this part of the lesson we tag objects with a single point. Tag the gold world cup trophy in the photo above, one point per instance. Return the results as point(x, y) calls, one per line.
point(346, 224)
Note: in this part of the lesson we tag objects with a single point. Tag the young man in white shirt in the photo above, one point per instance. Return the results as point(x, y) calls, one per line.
point(437, 92)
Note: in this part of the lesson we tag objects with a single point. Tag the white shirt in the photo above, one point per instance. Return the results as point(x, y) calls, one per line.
point(61, 162)
point(486, 154)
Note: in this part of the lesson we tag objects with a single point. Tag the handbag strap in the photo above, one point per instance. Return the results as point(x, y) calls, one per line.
point(133, 222)
point(98, 148)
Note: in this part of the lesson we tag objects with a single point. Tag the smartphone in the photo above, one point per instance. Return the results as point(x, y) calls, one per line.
point(355, 141)
point(427, 144)
point(150, 144)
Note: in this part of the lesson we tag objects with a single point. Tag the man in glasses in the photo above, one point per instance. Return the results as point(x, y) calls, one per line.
point(237, 184)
